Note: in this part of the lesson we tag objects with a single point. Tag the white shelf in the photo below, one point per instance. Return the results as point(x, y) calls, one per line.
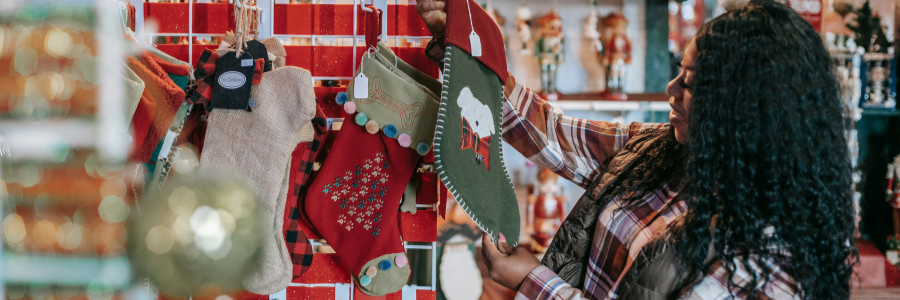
point(606, 105)
point(35, 269)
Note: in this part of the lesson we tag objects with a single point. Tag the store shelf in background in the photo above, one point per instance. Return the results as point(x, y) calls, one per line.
point(321, 61)
point(418, 227)
point(420, 295)
point(209, 18)
point(337, 19)
point(34, 269)
point(294, 19)
point(604, 105)
point(325, 268)
point(336, 61)
point(181, 51)
point(329, 292)
point(880, 113)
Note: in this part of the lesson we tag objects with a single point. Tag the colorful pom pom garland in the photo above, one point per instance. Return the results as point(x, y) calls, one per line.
point(341, 98)
point(372, 126)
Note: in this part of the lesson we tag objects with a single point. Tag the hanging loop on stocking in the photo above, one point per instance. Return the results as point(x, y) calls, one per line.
point(373, 27)
point(474, 39)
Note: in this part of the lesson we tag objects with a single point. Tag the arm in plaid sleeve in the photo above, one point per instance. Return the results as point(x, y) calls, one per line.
point(543, 284)
point(576, 149)
point(714, 286)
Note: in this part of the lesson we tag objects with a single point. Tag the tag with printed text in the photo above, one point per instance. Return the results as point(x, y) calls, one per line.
point(233, 82)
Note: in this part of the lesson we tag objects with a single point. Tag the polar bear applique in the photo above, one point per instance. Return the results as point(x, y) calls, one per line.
point(478, 126)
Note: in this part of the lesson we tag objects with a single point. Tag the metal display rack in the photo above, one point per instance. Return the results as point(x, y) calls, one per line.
point(327, 278)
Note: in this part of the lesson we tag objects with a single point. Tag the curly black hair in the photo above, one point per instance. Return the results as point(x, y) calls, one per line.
point(766, 149)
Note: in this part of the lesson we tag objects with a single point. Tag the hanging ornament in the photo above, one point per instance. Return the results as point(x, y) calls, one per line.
point(201, 232)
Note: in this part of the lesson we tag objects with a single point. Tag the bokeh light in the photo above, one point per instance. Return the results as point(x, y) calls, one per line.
point(44, 235)
point(68, 236)
point(209, 234)
point(13, 229)
point(113, 209)
point(57, 42)
point(25, 61)
point(160, 239)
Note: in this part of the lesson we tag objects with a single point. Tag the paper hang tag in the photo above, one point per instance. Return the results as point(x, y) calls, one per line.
point(233, 82)
point(475, 44)
point(361, 86)
point(258, 50)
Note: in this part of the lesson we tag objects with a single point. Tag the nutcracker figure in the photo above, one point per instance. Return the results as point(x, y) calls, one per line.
point(616, 54)
point(550, 51)
point(893, 196)
point(546, 210)
point(523, 27)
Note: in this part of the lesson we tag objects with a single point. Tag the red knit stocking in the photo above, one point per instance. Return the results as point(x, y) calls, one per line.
point(354, 200)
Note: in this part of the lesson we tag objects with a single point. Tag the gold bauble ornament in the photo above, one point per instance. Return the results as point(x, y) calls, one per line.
point(196, 233)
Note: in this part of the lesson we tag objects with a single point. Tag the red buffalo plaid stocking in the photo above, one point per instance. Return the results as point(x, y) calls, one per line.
point(354, 201)
point(302, 161)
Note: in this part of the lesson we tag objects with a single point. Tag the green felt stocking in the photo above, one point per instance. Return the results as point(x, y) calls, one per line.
point(467, 148)
point(401, 99)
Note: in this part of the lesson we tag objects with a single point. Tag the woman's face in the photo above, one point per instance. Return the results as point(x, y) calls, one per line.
point(680, 90)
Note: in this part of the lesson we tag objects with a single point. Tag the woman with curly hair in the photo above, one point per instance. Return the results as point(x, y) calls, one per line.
point(745, 195)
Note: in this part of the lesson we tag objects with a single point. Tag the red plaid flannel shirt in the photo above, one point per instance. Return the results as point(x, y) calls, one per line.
point(580, 150)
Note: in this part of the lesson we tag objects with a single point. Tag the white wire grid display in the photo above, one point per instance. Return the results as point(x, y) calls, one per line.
point(342, 291)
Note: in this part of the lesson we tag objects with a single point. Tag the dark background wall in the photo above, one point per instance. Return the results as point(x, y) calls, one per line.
point(879, 143)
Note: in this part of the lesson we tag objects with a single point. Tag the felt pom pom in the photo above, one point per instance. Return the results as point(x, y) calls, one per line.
point(350, 107)
point(361, 118)
point(390, 131)
point(400, 261)
point(341, 98)
point(422, 148)
point(365, 280)
point(372, 126)
point(385, 265)
point(404, 140)
point(371, 271)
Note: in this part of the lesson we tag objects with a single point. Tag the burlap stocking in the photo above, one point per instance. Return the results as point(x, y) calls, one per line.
point(258, 145)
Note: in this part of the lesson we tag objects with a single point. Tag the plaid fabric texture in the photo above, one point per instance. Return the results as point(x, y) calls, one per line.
point(577, 149)
point(302, 162)
point(580, 150)
point(205, 73)
point(481, 145)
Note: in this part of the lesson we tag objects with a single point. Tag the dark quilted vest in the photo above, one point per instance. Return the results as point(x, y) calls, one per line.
point(568, 253)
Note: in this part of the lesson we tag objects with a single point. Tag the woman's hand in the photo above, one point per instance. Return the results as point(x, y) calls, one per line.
point(432, 12)
point(508, 265)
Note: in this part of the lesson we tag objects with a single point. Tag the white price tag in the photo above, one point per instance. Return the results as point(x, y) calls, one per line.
point(475, 43)
point(361, 86)
point(246, 62)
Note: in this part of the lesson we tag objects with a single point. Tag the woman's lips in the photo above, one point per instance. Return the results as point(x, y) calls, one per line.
point(675, 116)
